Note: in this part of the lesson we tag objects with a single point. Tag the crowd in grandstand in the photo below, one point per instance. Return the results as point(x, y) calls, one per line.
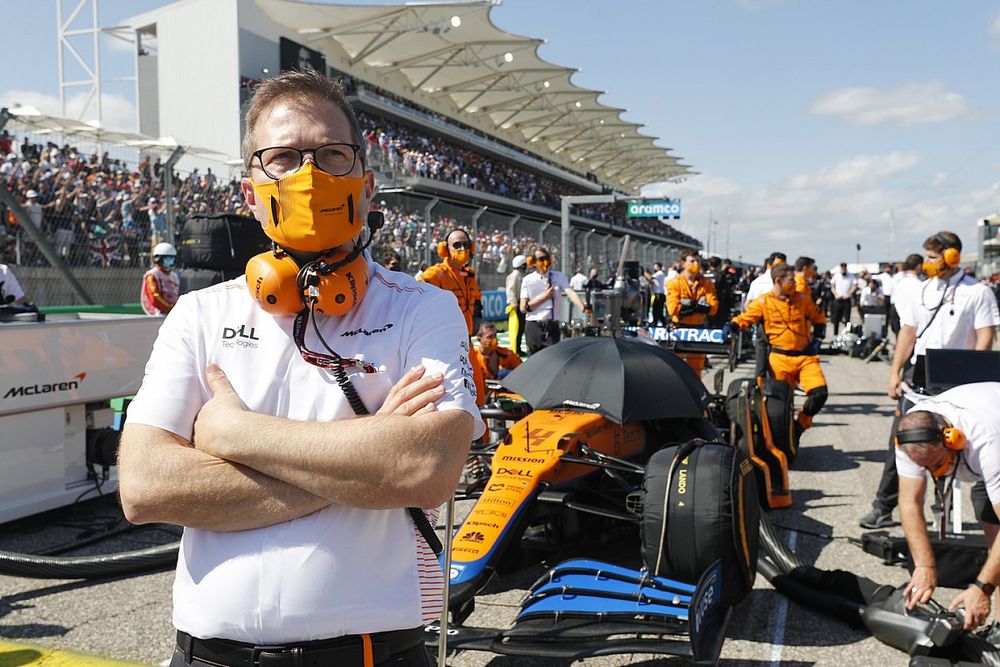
point(101, 211)
point(419, 154)
point(95, 210)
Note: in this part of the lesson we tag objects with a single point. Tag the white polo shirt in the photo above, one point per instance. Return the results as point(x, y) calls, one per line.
point(760, 285)
point(341, 570)
point(971, 408)
point(659, 278)
point(906, 293)
point(965, 305)
point(841, 284)
point(535, 284)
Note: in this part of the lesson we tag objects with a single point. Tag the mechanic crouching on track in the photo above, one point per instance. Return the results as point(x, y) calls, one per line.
point(954, 435)
point(793, 356)
point(298, 545)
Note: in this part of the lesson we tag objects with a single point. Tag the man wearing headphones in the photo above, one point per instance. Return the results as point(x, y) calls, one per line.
point(955, 435)
point(950, 311)
point(454, 274)
point(296, 421)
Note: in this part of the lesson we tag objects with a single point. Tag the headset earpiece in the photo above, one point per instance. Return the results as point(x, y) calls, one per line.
point(272, 281)
point(953, 438)
point(442, 249)
point(376, 219)
point(952, 257)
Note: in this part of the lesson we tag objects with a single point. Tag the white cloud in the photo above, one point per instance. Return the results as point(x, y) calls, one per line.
point(908, 104)
point(119, 112)
point(857, 171)
point(824, 213)
point(995, 26)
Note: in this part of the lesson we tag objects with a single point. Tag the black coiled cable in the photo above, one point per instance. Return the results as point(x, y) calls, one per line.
point(340, 375)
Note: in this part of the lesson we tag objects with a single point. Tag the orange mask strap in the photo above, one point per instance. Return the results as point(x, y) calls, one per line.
point(369, 653)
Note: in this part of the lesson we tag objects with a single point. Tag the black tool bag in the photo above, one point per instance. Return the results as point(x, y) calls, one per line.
point(958, 557)
point(779, 399)
point(700, 505)
point(220, 241)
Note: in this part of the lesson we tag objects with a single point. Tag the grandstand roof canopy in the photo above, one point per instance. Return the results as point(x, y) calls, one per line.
point(453, 51)
point(42, 124)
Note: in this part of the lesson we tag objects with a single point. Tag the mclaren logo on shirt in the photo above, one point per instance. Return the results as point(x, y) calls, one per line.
point(366, 332)
point(241, 336)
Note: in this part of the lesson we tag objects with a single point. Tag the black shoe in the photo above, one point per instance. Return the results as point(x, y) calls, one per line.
point(877, 519)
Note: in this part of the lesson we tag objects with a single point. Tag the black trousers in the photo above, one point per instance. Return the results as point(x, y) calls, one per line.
point(418, 656)
point(541, 335)
point(840, 313)
point(887, 494)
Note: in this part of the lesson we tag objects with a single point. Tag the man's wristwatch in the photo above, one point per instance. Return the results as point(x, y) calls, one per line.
point(984, 587)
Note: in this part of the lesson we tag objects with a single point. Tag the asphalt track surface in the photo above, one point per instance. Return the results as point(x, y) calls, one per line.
point(128, 619)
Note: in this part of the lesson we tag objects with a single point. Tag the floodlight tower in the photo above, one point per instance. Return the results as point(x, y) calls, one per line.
point(78, 46)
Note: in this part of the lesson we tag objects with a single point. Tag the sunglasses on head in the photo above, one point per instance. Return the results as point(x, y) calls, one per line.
point(462, 245)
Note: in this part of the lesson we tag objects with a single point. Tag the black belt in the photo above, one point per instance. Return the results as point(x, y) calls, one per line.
point(348, 650)
point(791, 353)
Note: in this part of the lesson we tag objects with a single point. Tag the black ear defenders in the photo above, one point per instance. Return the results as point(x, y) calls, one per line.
point(952, 438)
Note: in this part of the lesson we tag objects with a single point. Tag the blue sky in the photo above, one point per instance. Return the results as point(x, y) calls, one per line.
point(812, 124)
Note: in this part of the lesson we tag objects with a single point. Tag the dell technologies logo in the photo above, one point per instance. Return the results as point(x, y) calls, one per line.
point(239, 337)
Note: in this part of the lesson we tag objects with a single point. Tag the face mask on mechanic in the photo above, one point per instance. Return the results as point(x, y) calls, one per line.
point(310, 210)
point(694, 268)
point(488, 344)
point(934, 269)
point(788, 288)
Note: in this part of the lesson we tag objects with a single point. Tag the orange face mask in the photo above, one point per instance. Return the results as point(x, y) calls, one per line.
point(542, 265)
point(310, 210)
point(788, 288)
point(488, 344)
point(460, 256)
point(694, 268)
point(934, 269)
point(943, 469)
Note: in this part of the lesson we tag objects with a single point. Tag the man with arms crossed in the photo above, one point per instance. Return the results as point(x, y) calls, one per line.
point(297, 547)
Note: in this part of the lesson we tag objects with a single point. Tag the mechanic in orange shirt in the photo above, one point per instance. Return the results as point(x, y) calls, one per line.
point(490, 360)
point(454, 274)
point(805, 274)
point(690, 301)
point(794, 356)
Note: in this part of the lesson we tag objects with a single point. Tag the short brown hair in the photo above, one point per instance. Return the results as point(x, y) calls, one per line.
point(484, 327)
point(691, 253)
point(803, 263)
point(780, 270)
point(943, 240)
point(308, 86)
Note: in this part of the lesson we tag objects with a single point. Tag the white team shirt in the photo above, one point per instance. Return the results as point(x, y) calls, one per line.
point(341, 570)
point(578, 282)
point(659, 278)
point(906, 293)
point(760, 286)
point(841, 284)
point(535, 284)
point(886, 282)
point(965, 305)
point(10, 285)
point(972, 409)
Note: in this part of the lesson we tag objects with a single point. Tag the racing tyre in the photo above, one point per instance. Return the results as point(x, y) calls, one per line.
point(699, 505)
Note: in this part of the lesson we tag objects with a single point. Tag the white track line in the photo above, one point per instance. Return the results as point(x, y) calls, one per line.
point(780, 615)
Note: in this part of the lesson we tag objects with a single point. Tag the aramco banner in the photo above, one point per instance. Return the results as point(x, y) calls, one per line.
point(655, 208)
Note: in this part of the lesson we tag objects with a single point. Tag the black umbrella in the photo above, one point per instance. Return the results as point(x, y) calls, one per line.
point(621, 379)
